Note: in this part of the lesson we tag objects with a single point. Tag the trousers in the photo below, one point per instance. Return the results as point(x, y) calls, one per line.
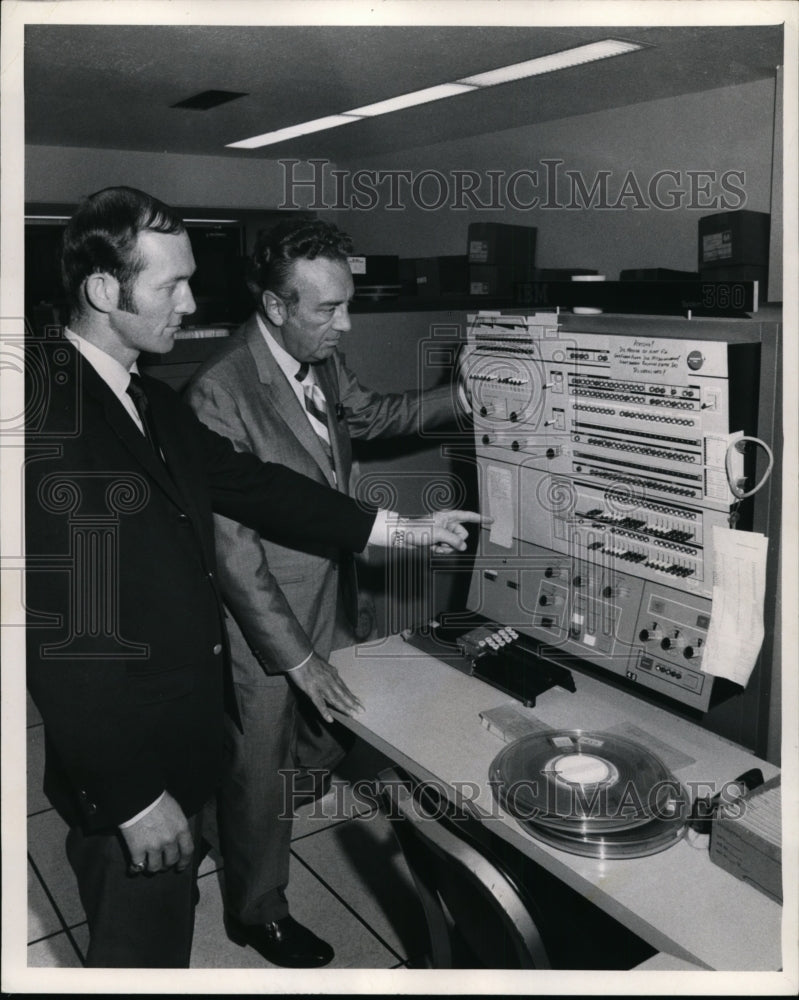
point(135, 921)
point(285, 749)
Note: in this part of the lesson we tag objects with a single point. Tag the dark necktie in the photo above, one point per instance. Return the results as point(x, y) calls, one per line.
point(142, 403)
point(316, 408)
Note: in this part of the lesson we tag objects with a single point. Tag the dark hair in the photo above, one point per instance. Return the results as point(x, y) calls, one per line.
point(101, 236)
point(276, 250)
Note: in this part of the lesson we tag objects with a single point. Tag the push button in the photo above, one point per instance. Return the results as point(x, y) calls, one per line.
point(217, 649)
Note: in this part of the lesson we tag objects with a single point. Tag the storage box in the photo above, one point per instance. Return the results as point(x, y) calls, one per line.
point(731, 239)
point(437, 277)
point(375, 276)
point(746, 839)
point(500, 255)
point(740, 272)
point(489, 279)
point(501, 243)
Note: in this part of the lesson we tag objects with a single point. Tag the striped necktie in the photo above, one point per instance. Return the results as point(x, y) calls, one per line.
point(315, 408)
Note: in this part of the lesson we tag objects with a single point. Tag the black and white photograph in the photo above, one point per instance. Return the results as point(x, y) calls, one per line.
point(398, 542)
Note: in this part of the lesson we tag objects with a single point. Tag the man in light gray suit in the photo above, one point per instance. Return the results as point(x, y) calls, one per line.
point(281, 390)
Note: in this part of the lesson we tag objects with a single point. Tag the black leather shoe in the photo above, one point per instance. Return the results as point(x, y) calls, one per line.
point(282, 942)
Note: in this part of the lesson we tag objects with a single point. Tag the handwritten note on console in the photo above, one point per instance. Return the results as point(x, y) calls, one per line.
point(646, 357)
point(500, 505)
point(736, 624)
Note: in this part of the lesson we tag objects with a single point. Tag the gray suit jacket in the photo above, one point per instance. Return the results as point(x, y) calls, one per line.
point(283, 601)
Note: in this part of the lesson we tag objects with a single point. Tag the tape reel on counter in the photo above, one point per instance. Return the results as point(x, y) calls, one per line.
point(594, 794)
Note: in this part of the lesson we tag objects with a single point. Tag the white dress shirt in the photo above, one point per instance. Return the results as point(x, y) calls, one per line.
point(115, 375)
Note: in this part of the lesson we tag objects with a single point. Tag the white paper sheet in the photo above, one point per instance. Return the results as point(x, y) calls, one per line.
point(736, 622)
point(501, 505)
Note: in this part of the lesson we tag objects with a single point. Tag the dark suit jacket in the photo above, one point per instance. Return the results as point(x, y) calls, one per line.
point(126, 639)
point(283, 602)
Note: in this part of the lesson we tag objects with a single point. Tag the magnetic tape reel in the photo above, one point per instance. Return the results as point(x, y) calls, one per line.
point(590, 793)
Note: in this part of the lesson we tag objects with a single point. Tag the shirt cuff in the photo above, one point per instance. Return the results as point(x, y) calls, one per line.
point(142, 814)
point(388, 530)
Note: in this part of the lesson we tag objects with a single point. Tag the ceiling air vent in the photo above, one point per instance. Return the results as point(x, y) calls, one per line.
point(208, 99)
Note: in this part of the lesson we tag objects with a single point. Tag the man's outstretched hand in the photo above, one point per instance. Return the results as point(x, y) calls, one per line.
point(442, 531)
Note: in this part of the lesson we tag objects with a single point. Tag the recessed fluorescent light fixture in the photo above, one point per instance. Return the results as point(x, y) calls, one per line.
point(305, 128)
point(577, 56)
point(552, 62)
point(412, 99)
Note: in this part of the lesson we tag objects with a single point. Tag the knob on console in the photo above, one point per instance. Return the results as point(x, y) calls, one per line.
point(676, 642)
point(651, 634)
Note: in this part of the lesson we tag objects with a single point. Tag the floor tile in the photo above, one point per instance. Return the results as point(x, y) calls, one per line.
point(210, 834)
point(54, 952)
point(37, 800)
point(80, 936)
point(340, 804)
point(355, 945)
point(211, 948)
point(362, 864)
point(32, 712)
point(42, 918)
point(46, 836)
point(311, 904)
point(210, 863)
point(351, 792)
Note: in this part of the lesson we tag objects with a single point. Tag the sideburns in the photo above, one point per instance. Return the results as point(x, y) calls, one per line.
point(126, 303)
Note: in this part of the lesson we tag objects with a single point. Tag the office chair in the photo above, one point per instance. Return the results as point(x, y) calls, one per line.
point(477, 916)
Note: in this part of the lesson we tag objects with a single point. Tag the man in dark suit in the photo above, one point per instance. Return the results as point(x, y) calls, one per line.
point(127, 650)
point(281, 390)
